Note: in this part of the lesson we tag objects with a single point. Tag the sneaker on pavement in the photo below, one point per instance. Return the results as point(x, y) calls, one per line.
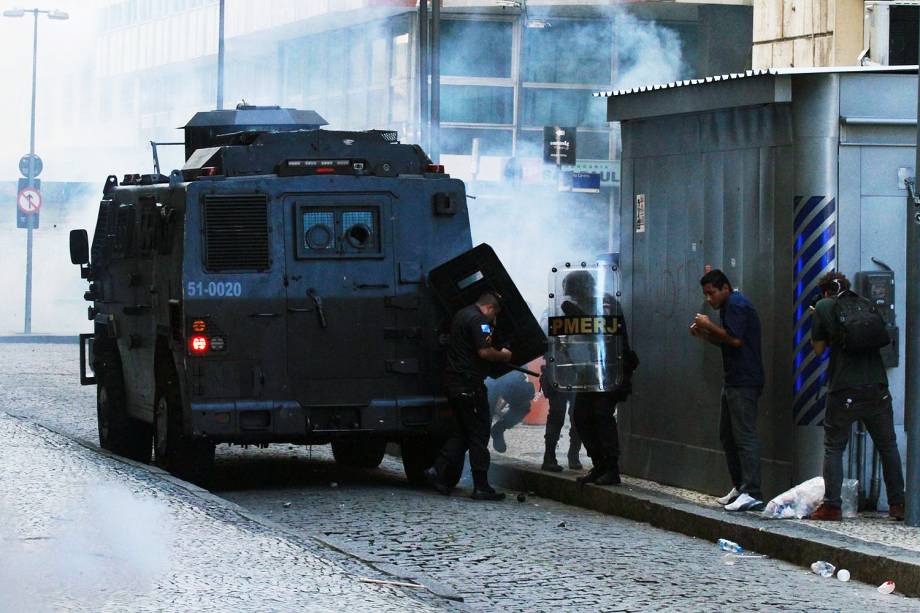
point(574, 461)
point(729, 497)
point(551, 467)
point(745, 502)
point(498, 439)
point(896, 511)
point(431, 476)
point(826, 513)
point(487, 494)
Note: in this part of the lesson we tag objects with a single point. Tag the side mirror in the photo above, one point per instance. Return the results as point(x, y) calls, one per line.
point(79, 247)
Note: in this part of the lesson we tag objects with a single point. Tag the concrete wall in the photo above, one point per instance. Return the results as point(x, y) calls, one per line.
point(806, 33)
point(718, 190)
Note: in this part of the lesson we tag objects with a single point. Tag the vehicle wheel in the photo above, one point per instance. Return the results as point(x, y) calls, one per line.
point(357, 453)
point(191, 459)
point(118, 432)
point(418, 455)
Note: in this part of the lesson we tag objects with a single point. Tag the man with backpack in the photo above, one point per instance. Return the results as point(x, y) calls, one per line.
point(858, 389)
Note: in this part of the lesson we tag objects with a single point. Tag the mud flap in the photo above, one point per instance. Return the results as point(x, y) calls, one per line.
point(86, 357)
point(459, 282)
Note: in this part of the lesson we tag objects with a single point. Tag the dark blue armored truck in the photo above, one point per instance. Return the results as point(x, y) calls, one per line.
point(274, 290)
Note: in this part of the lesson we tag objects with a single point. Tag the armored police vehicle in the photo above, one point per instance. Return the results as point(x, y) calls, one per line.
point(275, 290)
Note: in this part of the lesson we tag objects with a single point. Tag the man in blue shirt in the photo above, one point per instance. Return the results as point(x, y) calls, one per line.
point(738, 337)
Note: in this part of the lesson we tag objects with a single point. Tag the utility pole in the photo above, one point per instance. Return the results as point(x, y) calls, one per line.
point(220, 57)
point(30, 175)
point(912, 357)
point(435, 151)
point(423, 73)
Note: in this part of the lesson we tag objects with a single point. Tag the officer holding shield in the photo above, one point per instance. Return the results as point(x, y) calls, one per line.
point(592, 357)
point(468, 354)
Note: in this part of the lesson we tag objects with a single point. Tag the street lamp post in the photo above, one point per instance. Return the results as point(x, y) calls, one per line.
point(30, 176)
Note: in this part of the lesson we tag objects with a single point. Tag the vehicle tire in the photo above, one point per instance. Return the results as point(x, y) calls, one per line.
point(191, 459)
point(118, 433)
point(359, 453)
point(418, 455)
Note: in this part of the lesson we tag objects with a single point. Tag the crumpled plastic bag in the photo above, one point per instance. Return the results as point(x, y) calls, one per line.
point(797, 502)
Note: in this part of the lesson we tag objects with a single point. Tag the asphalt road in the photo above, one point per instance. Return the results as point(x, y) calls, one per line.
point(537, 555)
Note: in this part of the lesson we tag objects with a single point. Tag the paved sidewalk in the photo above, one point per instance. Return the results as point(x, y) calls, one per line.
point(873, 547)
point(81, 531)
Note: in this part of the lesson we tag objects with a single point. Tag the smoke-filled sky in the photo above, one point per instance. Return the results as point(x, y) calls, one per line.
point(530, 227)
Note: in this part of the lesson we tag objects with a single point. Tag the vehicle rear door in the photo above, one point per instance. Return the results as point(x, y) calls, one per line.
point(340, 284)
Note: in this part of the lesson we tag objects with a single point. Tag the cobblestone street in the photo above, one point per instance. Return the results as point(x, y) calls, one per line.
point(535, 555)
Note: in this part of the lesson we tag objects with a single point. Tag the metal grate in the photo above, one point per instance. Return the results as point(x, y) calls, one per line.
point(236, 233)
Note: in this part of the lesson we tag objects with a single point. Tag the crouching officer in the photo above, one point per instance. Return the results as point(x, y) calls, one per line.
point(468, 354)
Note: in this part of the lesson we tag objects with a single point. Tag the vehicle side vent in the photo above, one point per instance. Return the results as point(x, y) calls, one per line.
point(236, 233)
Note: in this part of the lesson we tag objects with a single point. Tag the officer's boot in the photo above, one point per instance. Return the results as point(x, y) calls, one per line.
point(549, 456)
point(611, 475)
point(498, 436)
point(574, 449)
point(481, 488)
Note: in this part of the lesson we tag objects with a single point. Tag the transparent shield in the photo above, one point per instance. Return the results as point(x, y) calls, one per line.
point(585, 328)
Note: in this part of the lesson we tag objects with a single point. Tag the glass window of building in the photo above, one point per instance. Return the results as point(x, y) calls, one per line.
point(459, 141)
point(568, 51)
point(562, 107)
point(477, 104)
point(479, 48)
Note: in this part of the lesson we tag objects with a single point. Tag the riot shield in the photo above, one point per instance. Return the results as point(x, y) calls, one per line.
point(460, 281)
point(585, 327)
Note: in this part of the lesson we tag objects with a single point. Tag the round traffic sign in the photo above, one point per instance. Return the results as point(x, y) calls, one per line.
point(30, 200)
point(36, 165)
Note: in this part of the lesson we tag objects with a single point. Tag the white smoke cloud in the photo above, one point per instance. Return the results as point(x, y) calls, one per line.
point(112, 543)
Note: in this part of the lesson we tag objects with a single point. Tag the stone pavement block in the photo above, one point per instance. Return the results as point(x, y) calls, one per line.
point(794, 542)
point(82, 531)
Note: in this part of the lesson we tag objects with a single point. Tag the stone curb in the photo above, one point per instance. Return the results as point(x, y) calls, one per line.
point(792, 542)
point(437, 589)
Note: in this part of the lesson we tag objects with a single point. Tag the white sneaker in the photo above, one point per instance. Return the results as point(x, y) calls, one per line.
point(744, 502)
point(729, 497)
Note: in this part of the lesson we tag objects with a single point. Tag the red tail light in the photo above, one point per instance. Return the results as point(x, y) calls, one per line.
point(438, 168)
point(199, 344)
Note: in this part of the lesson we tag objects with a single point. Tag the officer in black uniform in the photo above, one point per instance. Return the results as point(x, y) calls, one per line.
point(469, 352)
point(594, 412)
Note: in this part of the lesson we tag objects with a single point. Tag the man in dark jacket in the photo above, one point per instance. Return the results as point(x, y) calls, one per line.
point(858, 390)
point(738, 336)
point(468, 354)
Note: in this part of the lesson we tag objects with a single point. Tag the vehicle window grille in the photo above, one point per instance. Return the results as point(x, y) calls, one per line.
point(236, 233)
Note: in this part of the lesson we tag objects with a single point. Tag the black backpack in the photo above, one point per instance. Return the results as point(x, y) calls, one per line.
point(863, 327)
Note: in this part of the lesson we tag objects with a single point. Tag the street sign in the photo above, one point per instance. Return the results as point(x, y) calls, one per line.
point(36, 165)
point(28, 203)
point(30, 200)
point(559, 145)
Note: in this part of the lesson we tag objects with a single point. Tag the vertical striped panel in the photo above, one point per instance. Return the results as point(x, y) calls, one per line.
point(814, 254)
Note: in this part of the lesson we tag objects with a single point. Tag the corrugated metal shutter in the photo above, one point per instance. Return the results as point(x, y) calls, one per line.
point(236, 233)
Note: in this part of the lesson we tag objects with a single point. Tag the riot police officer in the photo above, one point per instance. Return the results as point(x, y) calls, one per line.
point(594, 413)
point(468, 354)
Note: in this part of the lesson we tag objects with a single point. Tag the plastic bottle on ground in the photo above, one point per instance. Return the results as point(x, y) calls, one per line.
point(849, 494)
point(825, 569)
point(843, 574)
point(726, 545)
point(886, 588)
